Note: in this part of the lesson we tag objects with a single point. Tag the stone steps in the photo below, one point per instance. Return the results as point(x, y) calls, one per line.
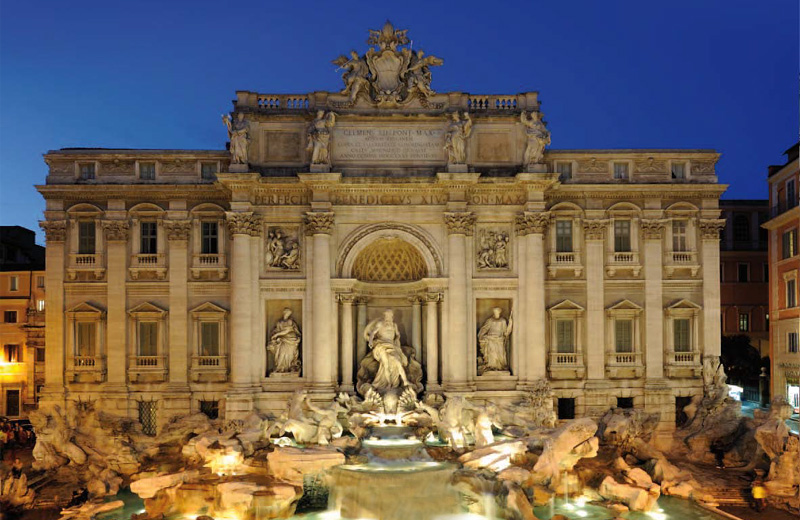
point(731, 496)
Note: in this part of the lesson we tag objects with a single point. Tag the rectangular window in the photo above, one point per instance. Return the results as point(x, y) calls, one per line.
point(564, 170)
point(791, 342)
point(789, 240)
point(148, 338)
point(86, 238)
point(40, 282)
point(40, 305)
point(147, 171)
point(85, 342)
point(13, 283)
point(682, 332)
point(564, 236)
point(791, 194)
point(149, 238)
point(209, 338)
point(791, 293)
point(147, 417)
point(622, 236)
point(11, 354)
point(679, 235)
point(679, 170)
point(209, 238)
point(566, 408)
point(620, 170)
point(623, 335)
point(40, 355)
point(10, 316)
point(12, 403)
point(744, 322)
point(625, 402)
point(743, 272)
point(87, 171)
point(208, 170)
point(565, 336)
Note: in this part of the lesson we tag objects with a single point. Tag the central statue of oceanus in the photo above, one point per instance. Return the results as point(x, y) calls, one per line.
point(388, 365)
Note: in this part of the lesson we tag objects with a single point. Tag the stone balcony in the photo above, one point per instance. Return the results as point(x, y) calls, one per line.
point(209, 265)
point(86, 263)
point(676, 261)
point(565, 261)
point(86, 369)
point(624, 365)
point(147, 369)
point(683, 364)
point(623, 261)
point(567, 365)
point(152, 265)
point(209, 369)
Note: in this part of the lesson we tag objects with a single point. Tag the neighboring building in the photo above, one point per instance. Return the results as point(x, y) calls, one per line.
point(744, 271)
point(784, 262)
point(22, 320)
point(169, 269)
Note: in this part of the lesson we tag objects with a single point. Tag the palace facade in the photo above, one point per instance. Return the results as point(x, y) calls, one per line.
point(181, 281)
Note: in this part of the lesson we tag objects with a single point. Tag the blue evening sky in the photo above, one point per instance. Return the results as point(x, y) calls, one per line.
point(719, 74)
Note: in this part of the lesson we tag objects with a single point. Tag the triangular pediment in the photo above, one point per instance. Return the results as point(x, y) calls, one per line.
point(566, 305)
point(208, 307)
point(146, 307)
point(625, 305)
point(86, 307)
point(684, 304)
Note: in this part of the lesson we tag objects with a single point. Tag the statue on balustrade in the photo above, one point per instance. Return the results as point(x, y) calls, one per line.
point(493, 341)
point(237, 135)
point(319, 137)
point(537, 135)
point(355, 75)
point(458, 131)
point(388, 365)
point(284, 345)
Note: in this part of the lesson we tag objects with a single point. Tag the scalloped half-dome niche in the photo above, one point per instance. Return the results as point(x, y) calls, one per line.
point(389, 260)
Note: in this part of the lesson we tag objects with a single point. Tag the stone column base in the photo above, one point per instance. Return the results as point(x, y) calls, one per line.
point(458, 388)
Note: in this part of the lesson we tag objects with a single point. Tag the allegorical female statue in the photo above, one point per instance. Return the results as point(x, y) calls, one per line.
point(383, 338)
point(458, 131)
point(284, 344)
point(319, 137)
point(537, 135)
point(237, 134)
point(492, 339)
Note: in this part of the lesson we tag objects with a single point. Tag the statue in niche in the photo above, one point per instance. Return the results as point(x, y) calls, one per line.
point(493, 340)
point(237, 135)
point(355, 76)
point(283, 251)
point(538, 137)
point(458, 131)
point(388, 365)
point(319, 137)
point(494, 250)
point(284, 344)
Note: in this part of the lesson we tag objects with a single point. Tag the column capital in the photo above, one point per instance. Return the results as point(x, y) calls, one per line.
point(710, 228)
point(529, 222)
point(116, 230)
point(178, 229)
point(653, 229)
point(459, 222)
point(243, 223)
point(433, 298)
point(319, 222)
point(415, 299)
point(347, 298)
point(54, 230)
point(595, 229)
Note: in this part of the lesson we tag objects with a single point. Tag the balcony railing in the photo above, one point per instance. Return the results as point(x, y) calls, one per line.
point(782, 207)
point(625, 257)
point(623, 260)
point(89, 261)
point(147, 260)
point(684, 358)
point(682, 257)
point(565, 260)
point(282, 102)
point(624, 358)
point(209, 361)
point(209, 260)
point(85, 362)
point(145, 362)
point(565, 358)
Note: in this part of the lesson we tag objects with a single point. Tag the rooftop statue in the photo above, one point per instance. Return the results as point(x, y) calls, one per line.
point(537, 135)
point(390, 75)
point(319, 137)
point(237, 134)
point(458, 131)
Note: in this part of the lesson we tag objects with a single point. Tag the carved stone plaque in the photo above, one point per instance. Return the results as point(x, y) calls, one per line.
point(354, 144)
point(282, 146)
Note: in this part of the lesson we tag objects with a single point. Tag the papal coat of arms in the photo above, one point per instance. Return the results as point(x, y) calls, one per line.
point(390, 75)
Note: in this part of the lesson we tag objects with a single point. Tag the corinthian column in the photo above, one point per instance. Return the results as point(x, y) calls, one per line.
point(709, 232)
point(323, 350)
point(533, 360)
point(455, 361)
point(432, 341)
point(241, 225)
point(361, 342)
point(56, 234)
point(347, 301)
point(116, 235)
point(178, 236)
point(416, 326)
point(653, 232)
point(594, 232)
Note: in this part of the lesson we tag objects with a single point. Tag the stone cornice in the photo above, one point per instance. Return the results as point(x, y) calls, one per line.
point(149, 192)
point(54, 230)
point(319, 222)
point(459, 222)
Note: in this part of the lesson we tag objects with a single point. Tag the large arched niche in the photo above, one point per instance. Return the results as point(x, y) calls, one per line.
point(388, 243)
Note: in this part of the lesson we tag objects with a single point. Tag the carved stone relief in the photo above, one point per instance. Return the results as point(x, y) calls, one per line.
point(282, 248)
point(493, 248)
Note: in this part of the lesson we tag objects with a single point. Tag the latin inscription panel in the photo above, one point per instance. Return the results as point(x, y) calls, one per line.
point(384, 144)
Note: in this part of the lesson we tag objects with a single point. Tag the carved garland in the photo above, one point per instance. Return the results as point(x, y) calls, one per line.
point(710, 228)
point(54, 230)
point(459, 222)
point(178, 229)
point(703, 166)
point(319, 222)
point(245, 223)
point(653, 229)
point(116, 230)
point(595, 229)
point(528, 223)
